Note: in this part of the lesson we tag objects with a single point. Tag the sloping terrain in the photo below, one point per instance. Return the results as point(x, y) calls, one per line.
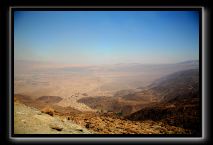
point(177, 86)
point(49, 99)
point(183, 114)
point(118, 105)
point(41, 103)
point(173, 99)
point(170, 105)
point(179, 101)
point(112, 123)
point(28, 120)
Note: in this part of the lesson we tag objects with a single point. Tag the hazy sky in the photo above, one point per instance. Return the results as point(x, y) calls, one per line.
point(100, 37)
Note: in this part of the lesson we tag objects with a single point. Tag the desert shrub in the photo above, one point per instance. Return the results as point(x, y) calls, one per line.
point(119, 113)
point(48, 110)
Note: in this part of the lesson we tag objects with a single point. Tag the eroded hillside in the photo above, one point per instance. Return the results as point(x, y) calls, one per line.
point(28, 120)
point(173, 99)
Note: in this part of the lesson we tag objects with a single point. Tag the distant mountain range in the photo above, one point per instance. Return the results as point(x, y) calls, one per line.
point(191, 62)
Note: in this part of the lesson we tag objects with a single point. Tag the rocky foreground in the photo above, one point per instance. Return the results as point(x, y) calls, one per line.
point(28, 120)
point(110, 123)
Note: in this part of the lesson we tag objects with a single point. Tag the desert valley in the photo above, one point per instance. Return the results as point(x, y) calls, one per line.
point(125, 98)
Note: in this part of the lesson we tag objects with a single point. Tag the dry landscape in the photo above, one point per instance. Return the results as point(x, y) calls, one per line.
point(107, 72)
point(107, 99)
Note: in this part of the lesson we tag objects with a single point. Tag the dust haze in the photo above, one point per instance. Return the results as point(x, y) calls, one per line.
point(74, 81)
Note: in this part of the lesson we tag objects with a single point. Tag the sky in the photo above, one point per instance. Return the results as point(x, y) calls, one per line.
point(106, 37)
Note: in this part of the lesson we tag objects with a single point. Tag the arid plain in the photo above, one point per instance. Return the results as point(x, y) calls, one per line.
point(96, 96)
point(73, 82)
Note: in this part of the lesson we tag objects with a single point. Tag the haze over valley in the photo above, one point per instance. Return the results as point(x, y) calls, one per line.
point(126, 90)
point(107, 72)
point(74, 82)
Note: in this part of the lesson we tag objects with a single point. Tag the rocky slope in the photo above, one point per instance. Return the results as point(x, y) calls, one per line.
point(179, 101)
point(111, 123)
point(173, 99)
point(177, 86)
point(45, 101)
point(28, 120)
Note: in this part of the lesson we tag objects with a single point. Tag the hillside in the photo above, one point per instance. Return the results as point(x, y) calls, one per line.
point(28, 120)
point(177, 86)
point(42, 102)
point(49, 99)
point(179, 101)
point(173, 99)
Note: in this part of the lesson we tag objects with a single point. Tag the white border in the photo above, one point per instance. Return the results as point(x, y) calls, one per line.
point(114, 139)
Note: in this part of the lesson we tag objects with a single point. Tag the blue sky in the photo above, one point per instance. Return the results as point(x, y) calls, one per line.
point(106, 37)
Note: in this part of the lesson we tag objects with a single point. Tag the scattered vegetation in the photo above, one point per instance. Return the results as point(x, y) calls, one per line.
point(119, 113)
point(48, 110)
